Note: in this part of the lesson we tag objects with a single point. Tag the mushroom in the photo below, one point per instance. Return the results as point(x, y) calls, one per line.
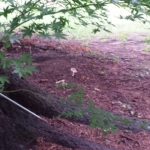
point(73, 70)
point(61, 81)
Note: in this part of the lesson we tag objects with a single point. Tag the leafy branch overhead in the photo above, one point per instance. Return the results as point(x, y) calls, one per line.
point(36, 10)
point(85, 12)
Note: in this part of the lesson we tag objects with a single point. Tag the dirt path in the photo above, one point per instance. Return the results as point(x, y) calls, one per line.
point(114, 74)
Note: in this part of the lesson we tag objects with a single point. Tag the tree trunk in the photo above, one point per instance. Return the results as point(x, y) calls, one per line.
point(45, 104)
point(19, 130)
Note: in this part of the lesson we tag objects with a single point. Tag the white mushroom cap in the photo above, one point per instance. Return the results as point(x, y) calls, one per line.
point(73, 71)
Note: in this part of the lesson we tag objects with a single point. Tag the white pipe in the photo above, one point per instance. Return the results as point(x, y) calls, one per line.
point(21, 106)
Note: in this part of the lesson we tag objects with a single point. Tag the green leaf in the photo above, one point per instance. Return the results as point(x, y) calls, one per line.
point(44, 35)
point(7, 11)
point(92, 125)
point(62, 100)
point(13, 38)
point(77, 97)
point(78, 113)
point(6, 63)
point(59, 35)
point(24, 72)
point(90, 103)
point(68, 114)
point(15, 22)
point(59, 116)
point(26, 58)
point(17, 63)
point(107, 30)
point(29, 70)
point(4, 79)
point(19, 71)
point(106, 133)
point(37, 27)
point(7, 45)
point(27, 31)
point(2, 55)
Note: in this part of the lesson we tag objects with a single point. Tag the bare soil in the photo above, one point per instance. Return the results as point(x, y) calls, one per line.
point(114, 74)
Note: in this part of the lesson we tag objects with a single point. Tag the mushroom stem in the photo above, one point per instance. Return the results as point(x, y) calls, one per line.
point(73, 70)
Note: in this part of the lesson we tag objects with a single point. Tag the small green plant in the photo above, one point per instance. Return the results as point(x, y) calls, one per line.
point(144, 52)
point(65, 85)
point(147, 48)
point(92, 53)
point(115, 58)
point(99, 118)
point(147, 40)
point(122, 37)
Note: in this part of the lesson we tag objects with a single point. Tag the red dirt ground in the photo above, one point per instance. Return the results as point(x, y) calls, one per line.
point(114, 74)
